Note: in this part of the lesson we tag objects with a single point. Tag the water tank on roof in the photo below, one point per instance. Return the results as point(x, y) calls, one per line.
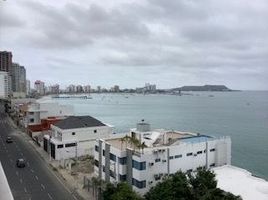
point(143, 126)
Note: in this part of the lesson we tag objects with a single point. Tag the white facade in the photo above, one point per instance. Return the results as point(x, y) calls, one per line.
point(38, 111)
point(71, 143)
point(4, 85)
point(166, 153)
point(39, 86)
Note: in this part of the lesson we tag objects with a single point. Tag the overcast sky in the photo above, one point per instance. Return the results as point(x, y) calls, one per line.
point(169, 43)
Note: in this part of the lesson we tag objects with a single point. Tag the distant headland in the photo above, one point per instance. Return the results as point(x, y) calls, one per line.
point(216, 88)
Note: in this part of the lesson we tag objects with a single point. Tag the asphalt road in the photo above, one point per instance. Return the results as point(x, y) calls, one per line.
point(35, 181)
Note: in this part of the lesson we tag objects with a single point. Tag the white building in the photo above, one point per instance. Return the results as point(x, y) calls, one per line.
point(38, 111)
point(28, 87)
point(39, 86)
point(75, 136)
point(4, 85)
point(155, 154)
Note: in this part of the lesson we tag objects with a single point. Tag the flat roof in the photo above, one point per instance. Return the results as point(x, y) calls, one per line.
point(241, 182)
point(151, 141)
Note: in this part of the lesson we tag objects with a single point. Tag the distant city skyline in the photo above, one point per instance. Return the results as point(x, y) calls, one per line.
point(170, 43)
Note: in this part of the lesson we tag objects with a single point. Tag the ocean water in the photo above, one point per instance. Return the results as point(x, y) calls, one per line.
point(241, 115)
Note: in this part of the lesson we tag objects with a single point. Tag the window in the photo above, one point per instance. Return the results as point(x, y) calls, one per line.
point(178, 156)
point(157, 160)
point(95, 131)
point(31, 120)
point(31, 113)
point(60, 146)
point(212, 165)
point(138, 165)
point(199, 152)
point(112, 174)
point(138, 184)
point(96, 163)
point(122, 160)
point(73, 133)
point(205, 151)
point(70, 145)
point(112, 157)
point(122, 177)
point(171, 157)
point(103, 152)
point(96, 148)
point(103, 168)
point(189, 154)
point(211, 150)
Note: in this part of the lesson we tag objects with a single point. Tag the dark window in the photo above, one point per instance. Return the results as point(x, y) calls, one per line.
point(96, 163)
point(60, 146)
point(199, 152)
point(212, 165)
point(31, 113)
point(95, 131)
point(122, 177)
point(157, 160)
point(138, 165)
point(70, 145)
point(171, 157)
point(96, 148)
point(211, 150)
point(123, 160)
point(112, 174)
point(31, 120)
point(103, 168)
point(205, 151)
point(112, 157)
point(103, 152)
point(73, 133)
point(178, 156)
point(138, 184)
point(189, 154)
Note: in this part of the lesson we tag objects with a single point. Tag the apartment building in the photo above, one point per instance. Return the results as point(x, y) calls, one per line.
point(4, 85)
point(144, 156)
point(75, 136)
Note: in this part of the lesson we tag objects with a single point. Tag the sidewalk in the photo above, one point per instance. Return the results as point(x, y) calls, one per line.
point(73, 181)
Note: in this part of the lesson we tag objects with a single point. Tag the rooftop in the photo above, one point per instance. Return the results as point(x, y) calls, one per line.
point(155, 138)
point(73, 122)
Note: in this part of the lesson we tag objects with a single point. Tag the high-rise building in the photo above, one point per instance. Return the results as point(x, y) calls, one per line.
point(5, 61)
point(54, 89)
point(87, 88)
point(39, 86)
point(79, 89)
point(28, 87)
point(4, 85)
point(71, 89)
point(18, 78)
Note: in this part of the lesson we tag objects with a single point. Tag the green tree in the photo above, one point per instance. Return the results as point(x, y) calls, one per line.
point(122, 191)
point(201, 185)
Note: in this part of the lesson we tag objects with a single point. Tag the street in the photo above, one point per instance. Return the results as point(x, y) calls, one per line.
point(35, 181)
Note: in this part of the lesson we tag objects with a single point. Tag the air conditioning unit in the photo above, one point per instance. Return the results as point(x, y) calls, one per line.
point(195, 154)
point(164, 160)
point(150, 182)
point(151, 164)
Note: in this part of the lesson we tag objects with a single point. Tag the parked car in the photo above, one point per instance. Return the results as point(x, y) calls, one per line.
point(20, 163)
point(9, 139)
